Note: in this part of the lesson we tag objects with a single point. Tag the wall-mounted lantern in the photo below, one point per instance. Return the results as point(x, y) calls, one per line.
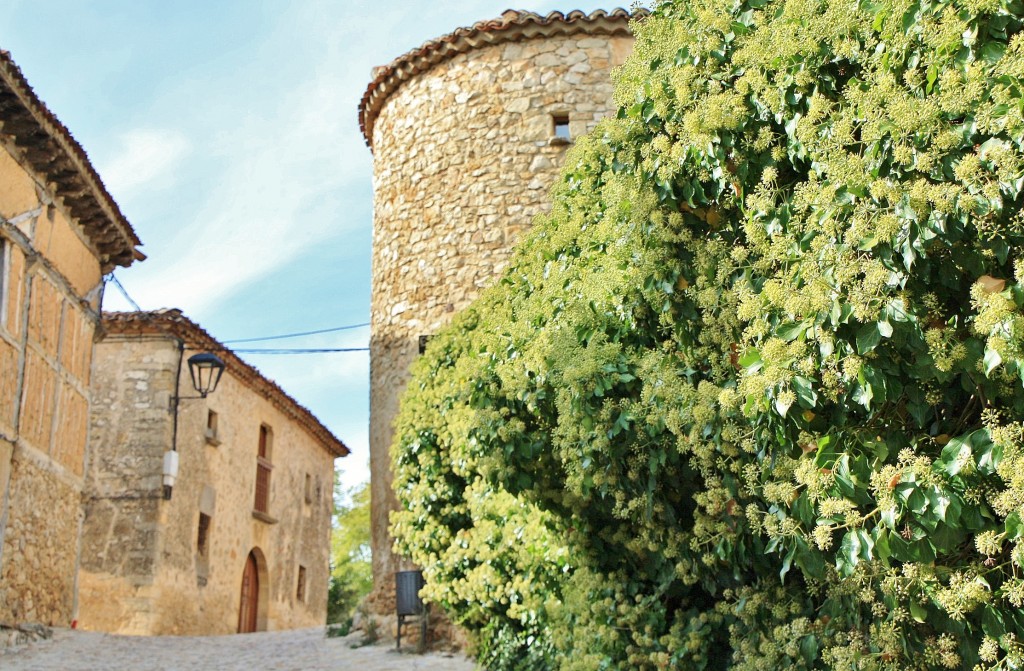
point(205, 369)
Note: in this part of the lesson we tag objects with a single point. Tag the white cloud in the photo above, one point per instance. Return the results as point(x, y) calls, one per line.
point(144, 156)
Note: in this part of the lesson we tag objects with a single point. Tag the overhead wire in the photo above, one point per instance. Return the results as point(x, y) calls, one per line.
point(120, 287)
point(301, 350)
point(298, 335)
point(280, 350)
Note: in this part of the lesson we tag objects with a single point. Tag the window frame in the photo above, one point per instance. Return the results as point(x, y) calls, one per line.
point(264, 467)
point(561, 128)
point(212, 427)
point(203, 535)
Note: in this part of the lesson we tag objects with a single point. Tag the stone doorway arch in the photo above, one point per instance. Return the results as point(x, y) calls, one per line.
point(253, 602)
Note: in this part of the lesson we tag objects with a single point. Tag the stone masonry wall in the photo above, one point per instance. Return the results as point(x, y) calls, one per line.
point(130, 430)
point(464, 156)
point(142, 569)
point(50, 287)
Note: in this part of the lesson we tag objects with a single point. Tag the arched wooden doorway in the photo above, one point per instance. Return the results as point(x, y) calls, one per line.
point(249, 607)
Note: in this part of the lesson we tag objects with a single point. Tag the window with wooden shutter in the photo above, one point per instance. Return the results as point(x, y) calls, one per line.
point(263, 469)
point(202, 540)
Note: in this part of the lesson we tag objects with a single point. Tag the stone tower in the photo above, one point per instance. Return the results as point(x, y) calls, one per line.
point(468, 133)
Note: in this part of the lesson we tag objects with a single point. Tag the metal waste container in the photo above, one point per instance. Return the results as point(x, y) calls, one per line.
point(407, 592)
point(407, 599)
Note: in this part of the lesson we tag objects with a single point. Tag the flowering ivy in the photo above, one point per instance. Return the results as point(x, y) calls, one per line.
point(751, 396)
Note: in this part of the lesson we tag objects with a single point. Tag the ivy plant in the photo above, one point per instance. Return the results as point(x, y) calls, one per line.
point(751, 395)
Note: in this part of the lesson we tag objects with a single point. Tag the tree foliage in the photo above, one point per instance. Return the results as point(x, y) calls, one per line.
point(351, 569)
point(750, 396)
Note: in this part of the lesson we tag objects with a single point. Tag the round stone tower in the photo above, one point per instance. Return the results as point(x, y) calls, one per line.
point(468, 133)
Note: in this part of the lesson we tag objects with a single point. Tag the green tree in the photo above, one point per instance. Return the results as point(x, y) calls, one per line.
point(351, 570)
point(750, 396)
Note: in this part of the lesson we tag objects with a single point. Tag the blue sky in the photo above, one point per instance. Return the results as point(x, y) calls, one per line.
point(227, 132)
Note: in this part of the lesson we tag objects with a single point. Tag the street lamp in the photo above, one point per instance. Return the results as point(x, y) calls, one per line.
point(205, 369)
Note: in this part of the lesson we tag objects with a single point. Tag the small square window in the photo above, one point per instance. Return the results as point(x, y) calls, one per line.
point(300, 588)
point(560, 124)
point(211, 428)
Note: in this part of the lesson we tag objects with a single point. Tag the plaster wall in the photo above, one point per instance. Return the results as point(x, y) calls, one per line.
point(50, 286)
point(145, 550)
point(464, 156)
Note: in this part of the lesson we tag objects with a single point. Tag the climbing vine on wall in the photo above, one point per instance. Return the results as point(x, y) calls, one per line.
point(752, 395)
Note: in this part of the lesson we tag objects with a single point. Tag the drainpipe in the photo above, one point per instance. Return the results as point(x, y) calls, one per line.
point(170, 470)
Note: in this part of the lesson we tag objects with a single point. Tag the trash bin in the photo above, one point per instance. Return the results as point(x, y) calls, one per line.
point(409, 604)
point(407, 592)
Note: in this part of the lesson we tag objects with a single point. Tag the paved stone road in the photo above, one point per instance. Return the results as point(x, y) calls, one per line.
point(300, 650)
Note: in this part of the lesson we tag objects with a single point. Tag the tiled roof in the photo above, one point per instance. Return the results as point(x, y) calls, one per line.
point(53, 153)
point(512, 26)
point(174, 323)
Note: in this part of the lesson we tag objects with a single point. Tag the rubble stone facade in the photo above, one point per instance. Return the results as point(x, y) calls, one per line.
point(468, 133)
point(152, 565)
point(60, 231)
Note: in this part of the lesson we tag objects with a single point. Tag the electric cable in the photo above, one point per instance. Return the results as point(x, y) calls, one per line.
point(117, 283)
point(298, 335)
point(321, 350)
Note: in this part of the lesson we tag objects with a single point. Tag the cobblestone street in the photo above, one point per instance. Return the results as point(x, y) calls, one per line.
point(300, 650)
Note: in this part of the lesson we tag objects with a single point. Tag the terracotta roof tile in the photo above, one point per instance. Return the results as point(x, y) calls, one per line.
point(173, 322)
point(52, 152)
point(511, 26)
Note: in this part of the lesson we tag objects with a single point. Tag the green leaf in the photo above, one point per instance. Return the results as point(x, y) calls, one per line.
point(809, 649)
point(750, 359)
point(882, 549)
point(917, 610)
point(868, 337)
point(787, 562)
point(805, 394)
point(992, 52)
point(1014, 527)
point(992, 622)
point(849, 554)
point(955, 455)
point(863, 393)
point(885, 329)
point(992, 360)
point(790, 330)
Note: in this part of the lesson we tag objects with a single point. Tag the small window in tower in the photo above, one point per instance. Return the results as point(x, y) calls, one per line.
point(202, 543)
point(424, 339)
point(561, 126)
point(309, 488)
point(211, 428)
point(300, 589)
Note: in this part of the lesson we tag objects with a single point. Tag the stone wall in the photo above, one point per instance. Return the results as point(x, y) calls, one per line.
point(50, 287)
point(465, 153)
point(130, 430)
point(144, 550)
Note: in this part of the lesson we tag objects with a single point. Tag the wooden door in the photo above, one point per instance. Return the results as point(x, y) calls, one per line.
point(249, 605)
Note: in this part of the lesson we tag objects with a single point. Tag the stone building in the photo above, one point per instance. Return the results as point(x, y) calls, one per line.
point(468, 133)
point(60, 232)
point(243, 542)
